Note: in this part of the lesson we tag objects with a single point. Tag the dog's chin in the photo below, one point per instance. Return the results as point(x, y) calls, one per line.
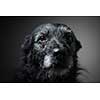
point(52, 74)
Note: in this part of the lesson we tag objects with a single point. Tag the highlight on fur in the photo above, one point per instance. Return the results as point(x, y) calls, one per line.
point(50, 55)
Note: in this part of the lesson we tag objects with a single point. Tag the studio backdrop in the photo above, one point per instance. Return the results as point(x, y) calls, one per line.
point(49, 49)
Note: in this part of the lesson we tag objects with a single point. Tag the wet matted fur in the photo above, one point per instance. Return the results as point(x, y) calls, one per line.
point(50, 55)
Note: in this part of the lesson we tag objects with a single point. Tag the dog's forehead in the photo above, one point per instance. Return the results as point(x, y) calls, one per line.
point(44, 28)
point(52, 30)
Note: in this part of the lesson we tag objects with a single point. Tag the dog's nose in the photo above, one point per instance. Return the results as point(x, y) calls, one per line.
point(56, 50)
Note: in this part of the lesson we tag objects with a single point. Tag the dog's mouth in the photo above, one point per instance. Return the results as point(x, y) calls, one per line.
point(53, 69)
point(58, 62)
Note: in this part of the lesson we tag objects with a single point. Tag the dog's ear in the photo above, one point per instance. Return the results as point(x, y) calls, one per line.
point(76, 45)
point(72, 40)
point(27, 49)
point(26, 46)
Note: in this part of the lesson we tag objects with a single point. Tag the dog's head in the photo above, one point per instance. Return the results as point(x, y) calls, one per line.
point(51, 51)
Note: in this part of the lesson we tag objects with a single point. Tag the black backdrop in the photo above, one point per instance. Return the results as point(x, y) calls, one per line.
point(14, 29)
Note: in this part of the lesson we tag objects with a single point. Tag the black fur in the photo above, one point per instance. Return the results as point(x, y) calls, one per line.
point(58, 44)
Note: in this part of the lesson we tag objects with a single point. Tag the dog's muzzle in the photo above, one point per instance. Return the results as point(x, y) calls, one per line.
point(54, 55)
point(48, 59)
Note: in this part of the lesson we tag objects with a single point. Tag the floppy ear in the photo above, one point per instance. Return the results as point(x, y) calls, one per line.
point(27, 49)
point(27, 45)
point(76, 45)
point(72, 40)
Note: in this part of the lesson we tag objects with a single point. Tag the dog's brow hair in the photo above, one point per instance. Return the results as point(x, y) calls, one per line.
point(54, 38)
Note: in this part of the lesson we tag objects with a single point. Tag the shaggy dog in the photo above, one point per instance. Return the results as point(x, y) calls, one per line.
point(50, 55)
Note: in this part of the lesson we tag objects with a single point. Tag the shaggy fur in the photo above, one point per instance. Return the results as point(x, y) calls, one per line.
point(50, 55)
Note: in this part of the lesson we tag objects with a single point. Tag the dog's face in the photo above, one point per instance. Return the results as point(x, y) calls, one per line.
point(54, 46)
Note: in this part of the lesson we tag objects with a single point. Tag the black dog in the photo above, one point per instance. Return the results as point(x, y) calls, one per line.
point(50, 55)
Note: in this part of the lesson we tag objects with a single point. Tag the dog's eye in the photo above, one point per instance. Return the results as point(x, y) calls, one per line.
point(42, 38)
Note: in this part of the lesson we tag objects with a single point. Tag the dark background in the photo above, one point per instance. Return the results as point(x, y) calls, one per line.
point(14, 29)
